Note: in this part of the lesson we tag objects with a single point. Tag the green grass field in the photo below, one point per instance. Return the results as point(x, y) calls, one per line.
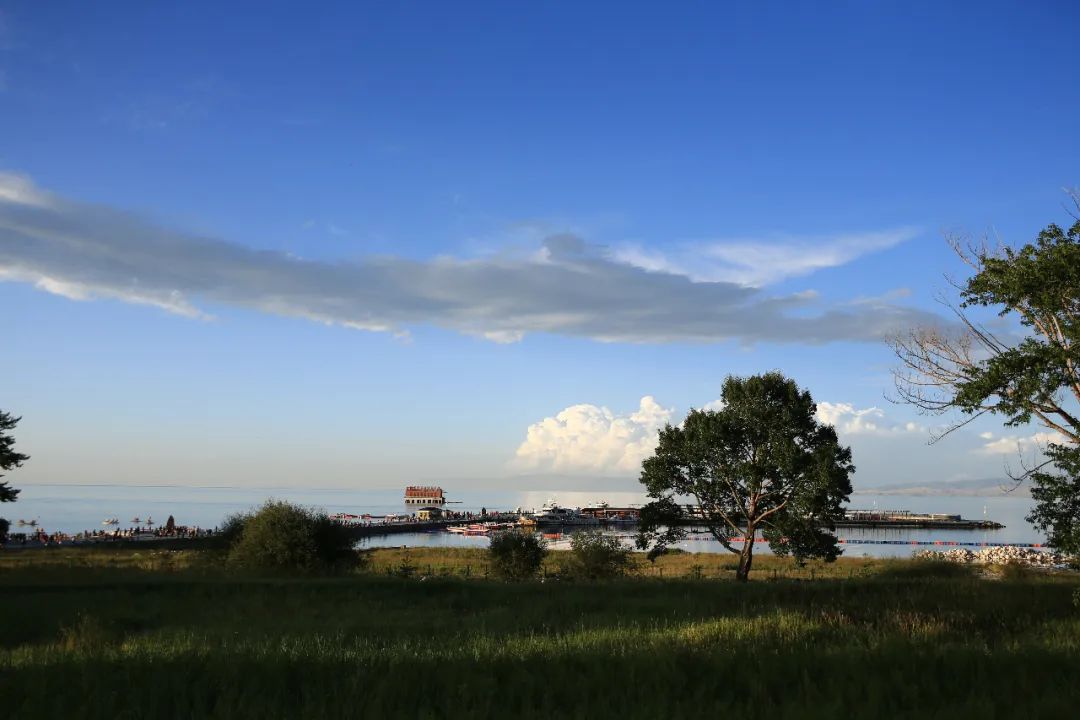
point(159, 634)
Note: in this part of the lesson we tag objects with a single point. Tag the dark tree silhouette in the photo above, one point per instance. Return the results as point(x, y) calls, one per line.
point(9, 459)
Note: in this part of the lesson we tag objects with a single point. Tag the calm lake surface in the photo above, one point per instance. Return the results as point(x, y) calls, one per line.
point(74, 508)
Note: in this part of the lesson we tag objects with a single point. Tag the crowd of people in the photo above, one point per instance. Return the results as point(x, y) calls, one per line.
point(40, 537)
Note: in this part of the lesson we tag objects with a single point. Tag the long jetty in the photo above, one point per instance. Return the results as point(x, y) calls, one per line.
point(392, 528)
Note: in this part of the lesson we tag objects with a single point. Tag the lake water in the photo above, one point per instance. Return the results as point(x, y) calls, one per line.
point(75, 508)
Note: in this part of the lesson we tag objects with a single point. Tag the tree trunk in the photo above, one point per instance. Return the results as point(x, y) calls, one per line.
point(746, 557)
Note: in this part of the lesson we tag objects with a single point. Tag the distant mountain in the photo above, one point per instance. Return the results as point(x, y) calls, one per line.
point(953, 488)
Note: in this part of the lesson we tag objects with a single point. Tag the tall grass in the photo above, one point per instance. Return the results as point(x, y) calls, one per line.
point(893, 639)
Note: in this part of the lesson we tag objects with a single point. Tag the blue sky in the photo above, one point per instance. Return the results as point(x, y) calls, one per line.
point(370, 244)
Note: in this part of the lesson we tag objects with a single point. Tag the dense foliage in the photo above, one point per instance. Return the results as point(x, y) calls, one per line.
point(762, 463)
point(596, 555)
point(516, 555)
point(1057, 499)
point(1033, 379)
point(284, 537)
point(9, 459)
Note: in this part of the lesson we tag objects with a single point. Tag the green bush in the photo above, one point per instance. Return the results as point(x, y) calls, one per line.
point(516, 555)
point(406, 568)
point(596, 555)
point(281, 536)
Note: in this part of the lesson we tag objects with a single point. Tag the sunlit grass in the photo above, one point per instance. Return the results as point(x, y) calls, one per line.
point(145, 634)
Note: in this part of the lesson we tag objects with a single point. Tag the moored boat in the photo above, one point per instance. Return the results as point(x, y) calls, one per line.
point(554, 514)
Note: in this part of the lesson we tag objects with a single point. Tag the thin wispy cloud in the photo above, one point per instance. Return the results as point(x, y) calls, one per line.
point(572, 288)
point(756, 263)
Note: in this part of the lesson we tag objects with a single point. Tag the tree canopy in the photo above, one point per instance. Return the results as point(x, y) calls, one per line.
point(516, 555)
point(1027, 373)
point(9, 459)
point(762, 463)
point(280, 536)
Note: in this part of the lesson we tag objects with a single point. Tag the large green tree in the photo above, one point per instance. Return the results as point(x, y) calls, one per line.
point(9, 459)
point(761, 464)
point(1026, 371)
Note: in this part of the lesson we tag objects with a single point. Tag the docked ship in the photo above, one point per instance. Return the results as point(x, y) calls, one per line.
point(552, 514)
point(427, 495)
point(608, 515)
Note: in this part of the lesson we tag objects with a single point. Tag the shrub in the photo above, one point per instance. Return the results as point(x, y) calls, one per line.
point(230, 529)
point(516, 555)
point(281, 536)
point(4, 525)
point(406, 568)
point(596, 555)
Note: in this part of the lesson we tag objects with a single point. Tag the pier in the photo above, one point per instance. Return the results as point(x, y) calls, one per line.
point(394, 527)
point(884, 519)
point(907, 519)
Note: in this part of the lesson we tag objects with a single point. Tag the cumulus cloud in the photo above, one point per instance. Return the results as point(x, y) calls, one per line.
point(755, 263)
point(572, 288)
point(1022, 444)
point(850, 420)
point(593, 439)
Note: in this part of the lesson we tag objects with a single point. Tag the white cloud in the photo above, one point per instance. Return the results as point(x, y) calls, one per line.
point(850, 420)
point(593, 439)
point(570, 288)
point(754, 263)
point(20, 190)
point(1019, 444)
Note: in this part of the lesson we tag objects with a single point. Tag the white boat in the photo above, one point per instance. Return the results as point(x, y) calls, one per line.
point(553, 514)
point(111, 521)
point(485, 528)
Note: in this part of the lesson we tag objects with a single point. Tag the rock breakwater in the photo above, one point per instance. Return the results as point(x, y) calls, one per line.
point(996, 556)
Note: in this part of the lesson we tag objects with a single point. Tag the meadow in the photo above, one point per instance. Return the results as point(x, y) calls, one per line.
point(133, 633)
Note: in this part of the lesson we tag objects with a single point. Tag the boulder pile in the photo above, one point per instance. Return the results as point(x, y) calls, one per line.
point(995, 556)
